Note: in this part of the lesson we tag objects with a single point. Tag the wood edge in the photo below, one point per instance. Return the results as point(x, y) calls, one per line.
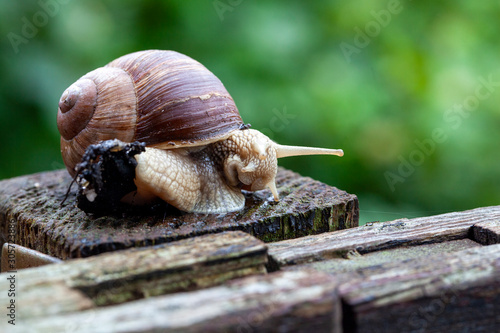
point(17, 257)
point(336, 244)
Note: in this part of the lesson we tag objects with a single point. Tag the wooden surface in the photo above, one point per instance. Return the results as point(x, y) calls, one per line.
point(16, 257)
point(33, 205)
point(379, 236)
point(137, 273)
point(487, 232)
point(434, 274)
point(279, 302)
point(455, 292)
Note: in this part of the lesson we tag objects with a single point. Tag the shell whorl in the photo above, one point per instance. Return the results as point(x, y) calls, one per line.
point(76, 108)
point(112, 113)
point(162, 98)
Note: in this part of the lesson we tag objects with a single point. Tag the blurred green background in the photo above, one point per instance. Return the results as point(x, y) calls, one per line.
point(409, 89)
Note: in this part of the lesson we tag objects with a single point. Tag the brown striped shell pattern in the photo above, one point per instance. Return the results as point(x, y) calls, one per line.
point(198, 157)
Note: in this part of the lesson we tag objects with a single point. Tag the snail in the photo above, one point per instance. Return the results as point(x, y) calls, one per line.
point(199, 154)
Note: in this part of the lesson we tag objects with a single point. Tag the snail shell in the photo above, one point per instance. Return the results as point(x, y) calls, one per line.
point(162, 98)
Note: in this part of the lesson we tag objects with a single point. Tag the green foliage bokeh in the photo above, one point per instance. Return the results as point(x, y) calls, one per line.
point(401, 86)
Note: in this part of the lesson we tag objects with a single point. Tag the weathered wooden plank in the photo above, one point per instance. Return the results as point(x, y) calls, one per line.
point(454, 292)
point(32, 214)
point(380, 236)
point(45, 298)
point(355, 264)
point(135, 273)
point(487, 232)
point(280, 302)
point(16, 257)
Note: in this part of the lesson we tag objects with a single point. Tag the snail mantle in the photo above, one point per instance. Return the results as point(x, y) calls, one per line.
point(31, 215)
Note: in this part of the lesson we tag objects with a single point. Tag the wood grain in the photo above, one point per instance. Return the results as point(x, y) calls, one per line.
point(130, 274)
point(380, 236)
point(280, 302)
point(356, 265)
point(32, 204)
point(24, 258)
point(431, 274)
point(455, 292)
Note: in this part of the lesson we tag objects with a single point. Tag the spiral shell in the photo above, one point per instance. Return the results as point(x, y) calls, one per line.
point(162, 98)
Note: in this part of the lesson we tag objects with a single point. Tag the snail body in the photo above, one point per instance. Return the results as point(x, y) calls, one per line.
point(199, 154)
